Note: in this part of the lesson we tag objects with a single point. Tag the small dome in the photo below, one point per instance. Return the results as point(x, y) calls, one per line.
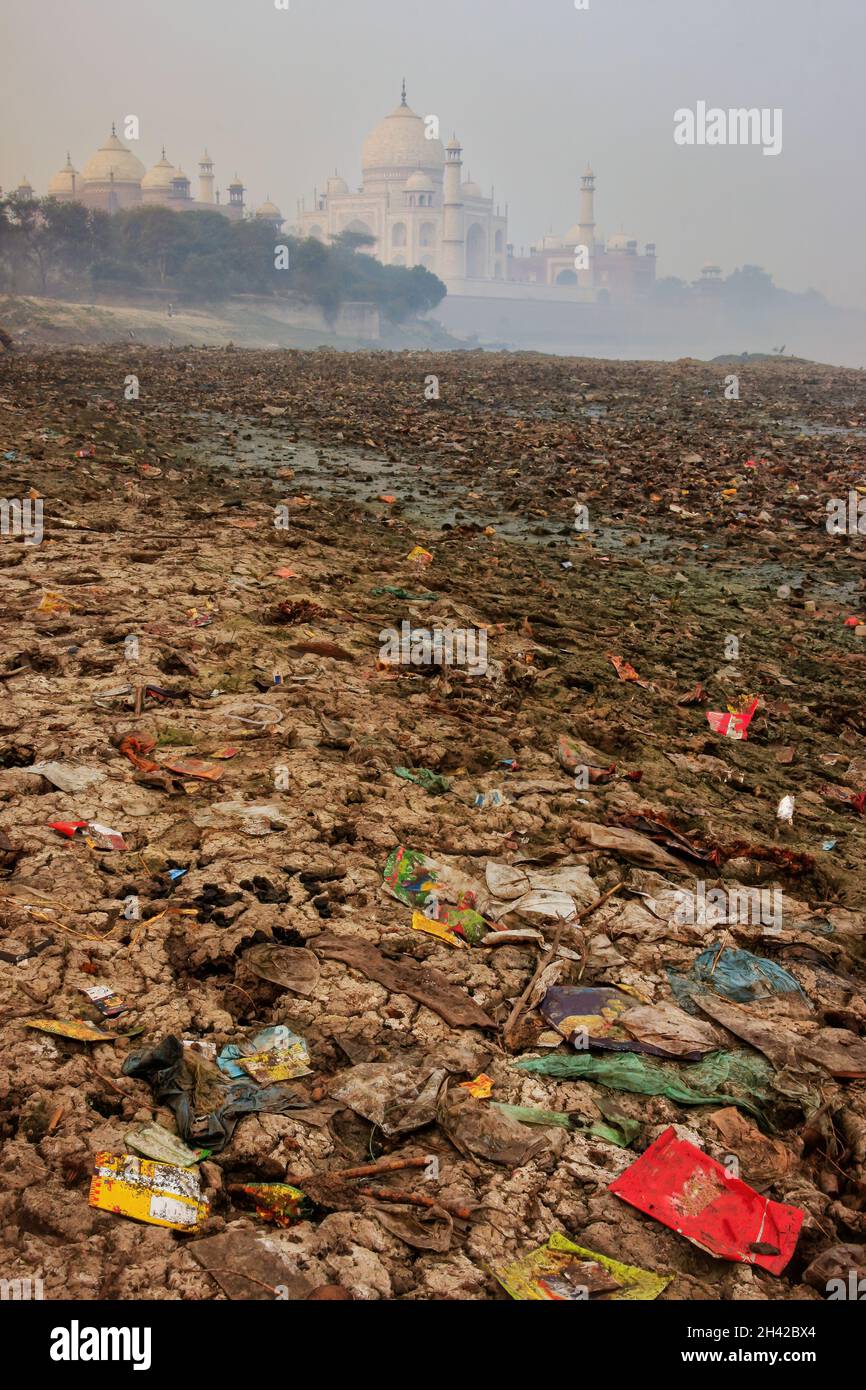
point(269, 212)
point(454, 144)
point(25, 186)
point(419, 183)
point(161, 175)
point(621, 241)
point(63, 181)
point(472, 190)
point(236, 183)
point(113, 158)
point(336, 186)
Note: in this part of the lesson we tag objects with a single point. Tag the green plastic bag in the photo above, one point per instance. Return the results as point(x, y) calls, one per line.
point(728, 1078)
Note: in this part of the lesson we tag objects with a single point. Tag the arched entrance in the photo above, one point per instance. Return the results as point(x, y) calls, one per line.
point(476, 252)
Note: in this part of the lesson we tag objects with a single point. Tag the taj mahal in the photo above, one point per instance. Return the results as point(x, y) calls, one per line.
point(416, 209)
point(414, 204)
point(413, 208)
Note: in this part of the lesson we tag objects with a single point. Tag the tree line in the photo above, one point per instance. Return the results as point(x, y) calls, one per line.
point(53, 248)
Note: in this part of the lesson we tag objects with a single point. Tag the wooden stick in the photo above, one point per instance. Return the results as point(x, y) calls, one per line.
point(544, 961)
point(384, 1194)
point(110, 1083)
point(389, 1165)
point(599, 902)
point(368, 1170)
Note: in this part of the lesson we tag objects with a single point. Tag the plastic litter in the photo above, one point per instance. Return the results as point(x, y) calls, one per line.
point(684, 1188)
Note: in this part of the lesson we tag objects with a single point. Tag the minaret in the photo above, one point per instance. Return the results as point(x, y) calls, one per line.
point(205, 179)
point(236, 199)
point(586, 216)
point(453, 236)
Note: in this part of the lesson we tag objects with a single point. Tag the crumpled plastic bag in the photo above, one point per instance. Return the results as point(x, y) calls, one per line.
point(486, 1132)
point(748, 1079)
point(396, 1097)
point(736, 974)
point(206, 1106)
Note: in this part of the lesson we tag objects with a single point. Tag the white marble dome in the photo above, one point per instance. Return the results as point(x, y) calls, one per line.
point(63, 181)
point(113, 158)
point(400, 142)
point(160, 176)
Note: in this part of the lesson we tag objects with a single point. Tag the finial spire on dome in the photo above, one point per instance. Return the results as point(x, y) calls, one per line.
point(163, 151)
point(114, 129)
point(404, 102)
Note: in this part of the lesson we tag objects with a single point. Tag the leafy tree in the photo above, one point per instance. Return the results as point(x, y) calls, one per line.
point(199, 253)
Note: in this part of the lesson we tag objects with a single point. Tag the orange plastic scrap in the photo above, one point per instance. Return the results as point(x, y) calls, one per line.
point(480, 1088)
point(135, 748)
point(55, 603)
point(626, 671)
point(194, 767)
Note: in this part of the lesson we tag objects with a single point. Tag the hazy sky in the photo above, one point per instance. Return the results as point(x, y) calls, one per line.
point(534, 88)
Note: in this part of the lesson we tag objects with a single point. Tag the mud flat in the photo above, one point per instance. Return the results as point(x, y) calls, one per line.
point(637, 552)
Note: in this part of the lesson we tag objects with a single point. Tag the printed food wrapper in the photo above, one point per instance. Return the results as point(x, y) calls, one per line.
point(437, 929)
point(422, 883)
point(419, 556)
point(103, 837)
point(276, 1201)
point(159, 1193)
point(683, 1188)
point(561, 1271)
point(109, 1004)
point(278, 1063)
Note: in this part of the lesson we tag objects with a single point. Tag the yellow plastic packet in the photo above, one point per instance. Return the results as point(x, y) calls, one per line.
point(481, 1088)
point(77, 1028)
point(162, 1194)
point(422, 923)
point(55, 603)
point(419, 556)
point(552, 1273)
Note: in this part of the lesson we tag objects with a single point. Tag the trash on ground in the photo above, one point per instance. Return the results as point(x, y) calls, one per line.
point(684, 1188)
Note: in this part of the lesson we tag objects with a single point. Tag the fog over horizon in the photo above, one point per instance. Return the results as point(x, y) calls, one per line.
point(534, 90)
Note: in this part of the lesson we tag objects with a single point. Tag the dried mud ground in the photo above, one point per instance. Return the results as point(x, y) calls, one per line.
point(168, 517)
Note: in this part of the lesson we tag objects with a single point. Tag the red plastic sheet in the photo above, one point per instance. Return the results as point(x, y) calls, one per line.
point(733, 724)
point(685, 1189)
